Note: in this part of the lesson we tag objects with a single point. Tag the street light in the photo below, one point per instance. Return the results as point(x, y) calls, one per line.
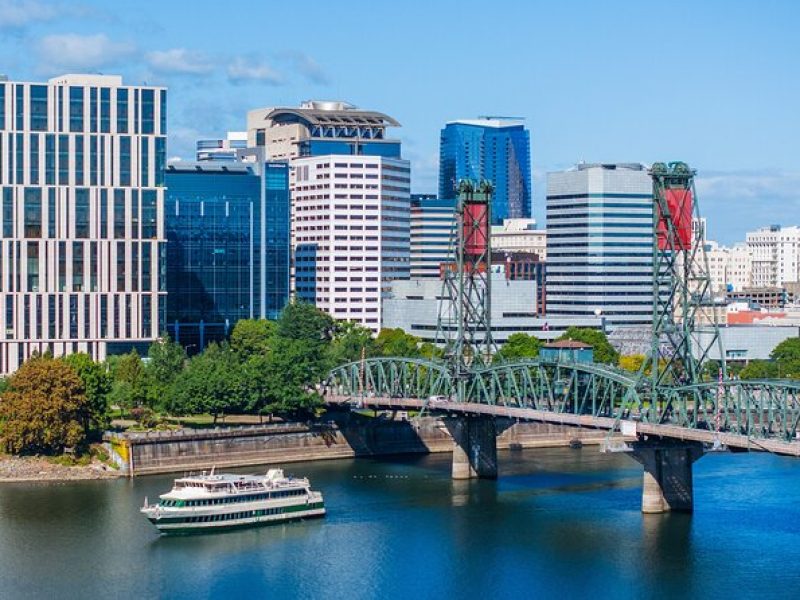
point(598, 312)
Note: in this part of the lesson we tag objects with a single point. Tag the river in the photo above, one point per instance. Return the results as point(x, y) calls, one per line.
point(558, 523)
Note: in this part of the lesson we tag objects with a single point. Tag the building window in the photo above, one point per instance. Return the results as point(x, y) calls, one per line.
point(77, 266)
point(105, 110)
point(82, 213)
point(149, 215)
point(122, 110)
point(125, 160)
point(119, 214)
point(33, 212)
point(148, 111)
point(38, 110)
point(33, 267)
point(75, 109)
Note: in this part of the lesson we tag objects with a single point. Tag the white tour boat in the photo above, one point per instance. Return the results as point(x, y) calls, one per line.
point(212, 502)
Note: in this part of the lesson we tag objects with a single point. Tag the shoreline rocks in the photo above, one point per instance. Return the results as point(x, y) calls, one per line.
point(16, 469)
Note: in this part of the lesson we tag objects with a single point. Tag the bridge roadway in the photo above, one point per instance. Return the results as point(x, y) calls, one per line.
point(632, 427)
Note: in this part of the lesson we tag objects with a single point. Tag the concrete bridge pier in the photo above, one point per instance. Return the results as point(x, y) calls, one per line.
point(474, 447)
point(667, 484)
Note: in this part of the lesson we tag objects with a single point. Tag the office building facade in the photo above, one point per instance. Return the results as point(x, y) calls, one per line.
point(227, 227)
point(351, 233)
point(319, 128)
point(82, 249)
point(489, 148)
point(432, 222)
point(413, 305)
point(600, 243)
point(775, 255)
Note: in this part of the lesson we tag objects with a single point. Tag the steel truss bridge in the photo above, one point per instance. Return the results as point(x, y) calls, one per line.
point(738, 414)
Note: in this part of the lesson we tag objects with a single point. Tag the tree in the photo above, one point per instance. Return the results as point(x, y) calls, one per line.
point(604, 352)
point(632, 362)
point(786, 356)
point(349, 342)
point(293, 369)
point(166, 361)
point(252, 336)
point(303, 321)
point(211, 383)
point(759, 369)
point(44, 408)
point(129, 389)
point(519, 346)
point(97, 385)
point(396, 342)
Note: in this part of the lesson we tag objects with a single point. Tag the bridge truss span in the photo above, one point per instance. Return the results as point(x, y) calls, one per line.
point(757, 414)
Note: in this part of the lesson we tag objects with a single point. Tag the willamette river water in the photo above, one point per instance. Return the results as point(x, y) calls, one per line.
point(558, 523)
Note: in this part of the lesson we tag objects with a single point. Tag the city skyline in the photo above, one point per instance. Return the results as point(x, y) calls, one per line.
point(601, 97)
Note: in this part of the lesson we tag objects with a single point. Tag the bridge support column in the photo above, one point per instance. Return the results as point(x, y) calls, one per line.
point(474, 447)
point(667, 484)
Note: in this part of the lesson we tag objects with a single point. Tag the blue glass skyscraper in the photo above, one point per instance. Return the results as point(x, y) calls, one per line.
point(489, 148)
point(227, 229)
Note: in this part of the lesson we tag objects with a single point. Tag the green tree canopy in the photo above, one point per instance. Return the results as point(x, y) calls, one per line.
point(212, 382)
point(518, 346)
point(293, 369)
point(305, 322)
point(349, 341)
point(396, 342)
point(251, 337)
point(129, 389)
point(97, 385)
point(759, 369)
point(786, 356)
point(44, 408)
point(166, 360)
point(604, 352)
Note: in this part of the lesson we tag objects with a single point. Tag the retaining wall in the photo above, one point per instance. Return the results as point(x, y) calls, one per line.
point(184, 450)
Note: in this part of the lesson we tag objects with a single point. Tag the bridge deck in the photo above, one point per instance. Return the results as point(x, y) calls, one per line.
point(731, 440)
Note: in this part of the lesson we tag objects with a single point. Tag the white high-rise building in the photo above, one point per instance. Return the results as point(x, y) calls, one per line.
point(82, 175)
point(351, 232)
point(600, 243)
point(729, 267)
point(775, 252)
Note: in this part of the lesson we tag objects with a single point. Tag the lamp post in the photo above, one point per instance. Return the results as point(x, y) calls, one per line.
point(598, 312)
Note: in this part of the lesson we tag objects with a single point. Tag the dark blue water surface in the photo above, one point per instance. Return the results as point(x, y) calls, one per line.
point(558, 523)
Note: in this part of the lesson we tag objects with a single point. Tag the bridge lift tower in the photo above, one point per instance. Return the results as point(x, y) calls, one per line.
point(464, 325)
point(685, 326)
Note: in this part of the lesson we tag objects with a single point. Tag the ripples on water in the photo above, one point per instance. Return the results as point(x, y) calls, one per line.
point(558, 523)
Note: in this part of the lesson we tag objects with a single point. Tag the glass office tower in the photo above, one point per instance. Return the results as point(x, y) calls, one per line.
point(227, 229)
point(489, 148)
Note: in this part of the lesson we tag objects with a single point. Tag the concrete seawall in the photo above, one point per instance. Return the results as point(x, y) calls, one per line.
point(166, 452)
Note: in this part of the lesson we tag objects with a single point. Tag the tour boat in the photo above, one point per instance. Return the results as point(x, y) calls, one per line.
point(214, 502)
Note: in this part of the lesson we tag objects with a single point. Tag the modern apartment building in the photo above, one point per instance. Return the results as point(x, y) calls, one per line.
point(432, 223)
point(600, 243)
point(492, 148)
point(775, 253)
point(82, 249)
point(227, 228)
point(351, 232)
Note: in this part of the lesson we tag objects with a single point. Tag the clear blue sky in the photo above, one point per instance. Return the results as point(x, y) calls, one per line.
point(713, 83)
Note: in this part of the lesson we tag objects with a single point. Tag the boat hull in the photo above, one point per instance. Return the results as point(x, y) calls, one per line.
point(184, 526)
